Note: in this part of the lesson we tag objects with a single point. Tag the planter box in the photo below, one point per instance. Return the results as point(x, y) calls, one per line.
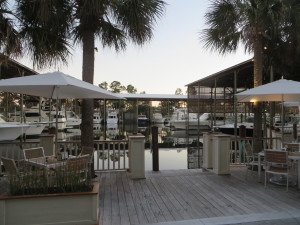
point(65, 208)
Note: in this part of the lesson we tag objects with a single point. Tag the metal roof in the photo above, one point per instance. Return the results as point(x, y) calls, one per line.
point(153, 97)
point(10, 68)
point(225, 78)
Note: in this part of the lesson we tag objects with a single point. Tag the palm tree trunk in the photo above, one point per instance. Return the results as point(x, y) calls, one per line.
point(87, 136)
point(258, 64)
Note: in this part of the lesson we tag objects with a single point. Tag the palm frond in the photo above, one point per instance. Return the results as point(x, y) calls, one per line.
point(138, 17)
point(10, 43)
point(112, 36)
point(45, 27)
point(223, 34)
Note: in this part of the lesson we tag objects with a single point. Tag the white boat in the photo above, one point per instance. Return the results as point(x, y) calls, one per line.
point(11, 131)
point(112, 130)
point(35, 128)
point(143, 121)
point(34, 115)
point(157, 118)
point(97, 119)
point(112, 116)
point(181, 119)
point(72, 120)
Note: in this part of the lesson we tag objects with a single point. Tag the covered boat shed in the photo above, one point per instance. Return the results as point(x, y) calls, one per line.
point(215, 93)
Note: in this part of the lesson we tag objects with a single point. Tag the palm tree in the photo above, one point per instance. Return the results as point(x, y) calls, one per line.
point(10, 43)
point(51, 26)
point(249, 22)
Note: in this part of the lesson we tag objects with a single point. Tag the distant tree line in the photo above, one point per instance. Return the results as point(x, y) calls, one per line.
point(165, 107)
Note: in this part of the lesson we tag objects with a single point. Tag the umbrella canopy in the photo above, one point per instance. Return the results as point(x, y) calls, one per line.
point(55, 85)
point(280, 90)
point(277, 91)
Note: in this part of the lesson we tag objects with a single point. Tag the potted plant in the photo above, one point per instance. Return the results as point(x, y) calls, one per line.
point(49, 197)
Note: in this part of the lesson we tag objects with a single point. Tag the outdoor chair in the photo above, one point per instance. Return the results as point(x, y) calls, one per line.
point(276, 163)
point(12, 170)
point(39, 155)
point(251, 160)
point(10, 166)
point(32, 153)
point(87, 151)
point(78, 166)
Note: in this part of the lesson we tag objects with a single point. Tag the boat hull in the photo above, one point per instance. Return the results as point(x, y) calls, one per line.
point(10, 132)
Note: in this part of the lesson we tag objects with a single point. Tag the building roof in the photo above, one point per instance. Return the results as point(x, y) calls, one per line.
point(225, 78)
point(10, 68)
point(154, 97)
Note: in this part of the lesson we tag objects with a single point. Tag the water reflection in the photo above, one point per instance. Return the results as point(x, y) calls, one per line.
point(177, 151)
point(167, 137)
point(169, 159)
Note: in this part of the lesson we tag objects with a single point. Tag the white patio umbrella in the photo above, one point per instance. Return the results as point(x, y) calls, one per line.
point(55, 85)
point(278, 91)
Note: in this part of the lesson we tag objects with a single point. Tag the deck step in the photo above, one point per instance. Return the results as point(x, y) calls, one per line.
point(276, 218)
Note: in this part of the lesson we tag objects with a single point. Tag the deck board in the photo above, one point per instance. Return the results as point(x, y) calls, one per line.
point(184, 195)
point(133, 218)
point(122, 201)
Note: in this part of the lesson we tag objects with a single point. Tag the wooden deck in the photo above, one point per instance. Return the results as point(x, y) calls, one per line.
point(195, 197)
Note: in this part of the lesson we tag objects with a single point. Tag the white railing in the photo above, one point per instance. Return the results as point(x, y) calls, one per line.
point(15, 149)
point(109, 155)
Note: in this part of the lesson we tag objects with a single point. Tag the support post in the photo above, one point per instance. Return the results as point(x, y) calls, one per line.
point(136, 147)
point(235, 113)
point(215, 102)
point(155, 150)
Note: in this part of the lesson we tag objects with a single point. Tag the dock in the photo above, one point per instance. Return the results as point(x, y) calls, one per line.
point(188, 197)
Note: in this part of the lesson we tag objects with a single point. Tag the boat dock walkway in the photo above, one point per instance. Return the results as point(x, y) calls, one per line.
point(188, 197)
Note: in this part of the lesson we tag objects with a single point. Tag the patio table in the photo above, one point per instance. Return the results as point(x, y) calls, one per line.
point(46, 162)
point(290, 157)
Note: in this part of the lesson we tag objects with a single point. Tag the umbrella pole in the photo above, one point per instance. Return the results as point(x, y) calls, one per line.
point(282, 123)
point(56, 122)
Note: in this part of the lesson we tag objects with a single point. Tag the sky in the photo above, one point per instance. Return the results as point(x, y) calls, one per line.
point(174, 57)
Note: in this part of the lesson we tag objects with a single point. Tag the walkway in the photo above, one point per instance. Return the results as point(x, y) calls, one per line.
point(188, 197)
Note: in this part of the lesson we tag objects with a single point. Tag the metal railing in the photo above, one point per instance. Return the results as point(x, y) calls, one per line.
point(237, 151)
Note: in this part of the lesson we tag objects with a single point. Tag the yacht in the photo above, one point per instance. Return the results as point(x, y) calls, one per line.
point(157, 118)
point(11, 131)
point(143, 121)
point(181, 119)
point(97, 119)
point(72, 120)
point(229, 128)
point(34, 115)
point(112, 116)
point(112, 130)
point(35, 128)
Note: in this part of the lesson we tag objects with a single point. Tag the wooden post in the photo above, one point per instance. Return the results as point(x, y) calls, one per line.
point(155, 154)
